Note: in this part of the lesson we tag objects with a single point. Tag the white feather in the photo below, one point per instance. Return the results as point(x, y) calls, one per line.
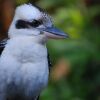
point(24, 62)
point(27, 12)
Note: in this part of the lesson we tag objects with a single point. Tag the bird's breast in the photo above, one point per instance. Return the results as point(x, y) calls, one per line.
point(28, 67)
point(35, 76)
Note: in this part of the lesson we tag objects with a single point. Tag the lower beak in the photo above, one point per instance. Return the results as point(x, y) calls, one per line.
point(52, 32)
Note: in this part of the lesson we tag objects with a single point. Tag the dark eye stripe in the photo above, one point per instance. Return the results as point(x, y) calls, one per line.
point(21, 24)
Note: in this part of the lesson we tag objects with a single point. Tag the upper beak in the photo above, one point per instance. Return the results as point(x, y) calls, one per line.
point(52, 32)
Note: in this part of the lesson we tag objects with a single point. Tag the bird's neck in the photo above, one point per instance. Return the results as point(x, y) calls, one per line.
point(26, 49)
point(41, 39)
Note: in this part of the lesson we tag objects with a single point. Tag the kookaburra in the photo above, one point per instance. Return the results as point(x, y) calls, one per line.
point(24, 67)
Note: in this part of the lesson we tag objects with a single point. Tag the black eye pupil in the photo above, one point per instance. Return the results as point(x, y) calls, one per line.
point(35, 23)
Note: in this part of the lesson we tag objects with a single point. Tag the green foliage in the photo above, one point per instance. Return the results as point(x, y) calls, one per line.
point(81, 50)
point(21, 1)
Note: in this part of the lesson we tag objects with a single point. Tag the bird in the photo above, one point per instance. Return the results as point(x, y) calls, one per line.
point(24, 59)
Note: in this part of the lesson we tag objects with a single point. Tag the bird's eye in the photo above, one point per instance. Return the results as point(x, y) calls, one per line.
point(35, 23)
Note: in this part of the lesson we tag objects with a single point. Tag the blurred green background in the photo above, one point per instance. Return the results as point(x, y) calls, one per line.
point(75, 72)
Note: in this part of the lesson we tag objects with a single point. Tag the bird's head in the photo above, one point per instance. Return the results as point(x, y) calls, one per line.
point(31, 20)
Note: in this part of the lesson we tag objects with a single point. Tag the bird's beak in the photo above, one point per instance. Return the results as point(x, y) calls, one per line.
point(54, 33)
